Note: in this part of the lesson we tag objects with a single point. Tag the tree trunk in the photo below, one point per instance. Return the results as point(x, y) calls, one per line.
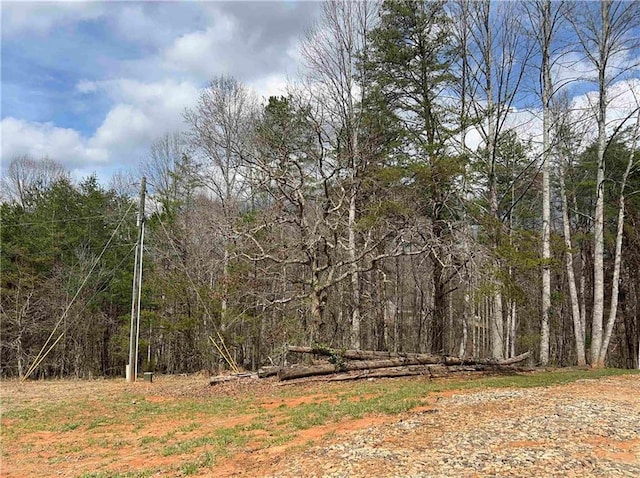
point(432, 371)
point(384, 355)
point(462, 349)
point(578, 330)
point(497, 326)
point(546, 196)
point(317, 316)
point(439, 307)
point(225, 288)
point(613, 309)
point(355, 278)
point(497, 321)
point(598, 228)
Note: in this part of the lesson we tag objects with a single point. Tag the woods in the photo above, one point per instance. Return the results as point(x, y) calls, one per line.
point(446, 178)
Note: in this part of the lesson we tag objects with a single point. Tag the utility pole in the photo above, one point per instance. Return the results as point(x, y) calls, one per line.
point(134, 332)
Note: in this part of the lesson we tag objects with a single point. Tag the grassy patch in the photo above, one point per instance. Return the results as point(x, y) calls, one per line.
point(190, 427)
point(107, 474)
point(221, 441)
point(279, 439)
point(67, 427)
point(99, 423)
point(148, 440)
point(68, 448)
point(205, 460)
point(387, 402)
point(389, 397)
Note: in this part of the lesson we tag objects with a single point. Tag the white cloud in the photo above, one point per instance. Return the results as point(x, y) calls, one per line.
point(44, 139)
point(142, 112)
point(148, 63)
point(42, 17)
point(272, 85)
point(133, 23)
point(123, 126)
point(167, 94)
point(473, 139)
point(201, 52)
point(571, 68)
point(527, 122)
point(623, 99)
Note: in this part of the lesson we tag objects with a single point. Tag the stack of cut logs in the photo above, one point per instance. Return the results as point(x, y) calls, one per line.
point(358, 364)
point(370, 363)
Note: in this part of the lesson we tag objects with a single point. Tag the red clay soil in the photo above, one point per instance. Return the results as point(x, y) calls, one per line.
point(364, 447)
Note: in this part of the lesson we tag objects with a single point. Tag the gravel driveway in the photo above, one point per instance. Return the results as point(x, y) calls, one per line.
point(590, 428)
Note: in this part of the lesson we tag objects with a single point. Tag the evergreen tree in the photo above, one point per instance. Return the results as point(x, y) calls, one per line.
point(409, 63)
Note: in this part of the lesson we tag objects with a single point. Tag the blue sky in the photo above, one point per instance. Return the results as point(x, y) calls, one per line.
point(92, 84)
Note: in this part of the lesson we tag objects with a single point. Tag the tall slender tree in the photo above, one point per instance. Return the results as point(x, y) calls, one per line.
point(605, 35)
point(409, 59)
point(495, 58)
point(219, 134)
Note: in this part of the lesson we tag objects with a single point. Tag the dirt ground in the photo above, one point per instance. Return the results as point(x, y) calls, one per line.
point(586, 428)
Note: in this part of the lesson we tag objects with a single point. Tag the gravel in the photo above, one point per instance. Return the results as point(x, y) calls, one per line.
point(585, 429)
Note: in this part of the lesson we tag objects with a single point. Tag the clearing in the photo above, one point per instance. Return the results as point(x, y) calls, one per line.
point(558, 423)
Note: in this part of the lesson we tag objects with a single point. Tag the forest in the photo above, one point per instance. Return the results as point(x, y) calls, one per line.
point(447, 177)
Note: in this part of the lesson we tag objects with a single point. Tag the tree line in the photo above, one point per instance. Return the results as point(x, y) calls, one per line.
point(428, 185)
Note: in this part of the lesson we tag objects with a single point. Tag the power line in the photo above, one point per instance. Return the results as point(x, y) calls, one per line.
point(59, 255)
point(41, 356)
point(52, 221)
point(68, 325)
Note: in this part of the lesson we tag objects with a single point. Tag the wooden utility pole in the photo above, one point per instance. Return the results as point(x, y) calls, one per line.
point(134, 332)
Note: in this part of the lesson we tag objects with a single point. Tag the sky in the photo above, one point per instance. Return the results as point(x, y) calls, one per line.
point(92, 84)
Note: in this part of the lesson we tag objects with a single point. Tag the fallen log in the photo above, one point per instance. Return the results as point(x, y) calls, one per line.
point(231, 378)
point(509, 361)
point(430, 371)
point(327, 369)
point(269, 371)
point(418, 358)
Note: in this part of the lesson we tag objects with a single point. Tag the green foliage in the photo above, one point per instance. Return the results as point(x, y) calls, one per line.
point(409, 63)
point(336, 357)
point(49, 245)
point(581, 181)
point(515, 175)
point(410, 56)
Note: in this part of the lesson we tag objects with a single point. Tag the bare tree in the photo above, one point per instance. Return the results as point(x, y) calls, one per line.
point(546, 18)
point(332, 52)
point(220, 125)
point(162, 166)
point(494, 62)
point(566, 147)
point(615, 282)
point(298, 235)
point(25, 173)
point(124, 183)
point(606, 37)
